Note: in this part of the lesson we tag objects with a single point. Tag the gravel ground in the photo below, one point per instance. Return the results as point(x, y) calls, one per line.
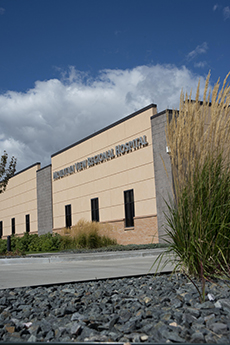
point(147, 309)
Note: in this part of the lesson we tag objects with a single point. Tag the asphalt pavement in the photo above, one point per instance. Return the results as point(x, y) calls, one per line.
point(49, 268)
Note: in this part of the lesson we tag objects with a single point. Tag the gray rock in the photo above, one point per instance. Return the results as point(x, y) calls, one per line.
point(125, 315)
point(218, 305)
point(172, 337)
point(145, 309)
point(209, 318)
point(45, 326)
point(67, 290)
point(193, 311)
point(128, 327)
point(218, 328)
point(34, 328)
point(225, 303)
point(87, 334)
point(96, 338)
point(207, 305)
point(75, 328)
point(188, 319)
point(32, 339)
point(197, 337)
point(49, 335)
point(209, 338)
point(136, 338)
point(77, 317)
point(65, 339)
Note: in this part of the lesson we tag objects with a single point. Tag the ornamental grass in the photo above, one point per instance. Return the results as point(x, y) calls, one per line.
point(198, 218)
point(86, 234)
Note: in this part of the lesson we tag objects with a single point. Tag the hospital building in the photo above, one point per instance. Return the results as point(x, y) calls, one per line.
point(113, 176)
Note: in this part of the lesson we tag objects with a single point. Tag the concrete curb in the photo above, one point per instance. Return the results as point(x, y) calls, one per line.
point(60, 257)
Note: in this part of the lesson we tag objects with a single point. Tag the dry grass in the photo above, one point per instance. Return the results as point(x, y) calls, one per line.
point(86, 227)
point(86, 234)
point(198, 218)
point(200, 130)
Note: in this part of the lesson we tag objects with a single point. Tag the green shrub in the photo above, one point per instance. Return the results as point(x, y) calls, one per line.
point(34, 243)
point(94, 240)
point(56, 241)
point(3, 246)
point(20, 243)
point(83, 235)
point(46, 242)
point(15, 242)
point(81, 240)
point(67, 242)
point(107, 241)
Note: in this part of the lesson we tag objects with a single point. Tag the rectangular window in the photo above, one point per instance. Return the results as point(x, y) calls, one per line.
point(68, 217)
point(12, 226)
point(129, 208)
point(1, 229)
point(27, 223)
point(95, 210)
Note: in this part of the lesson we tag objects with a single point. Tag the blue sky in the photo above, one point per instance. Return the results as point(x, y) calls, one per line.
point(71, 67)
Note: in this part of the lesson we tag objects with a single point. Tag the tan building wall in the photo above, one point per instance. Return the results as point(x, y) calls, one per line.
point(108, 180)
point(144, 231)
point(19, 200)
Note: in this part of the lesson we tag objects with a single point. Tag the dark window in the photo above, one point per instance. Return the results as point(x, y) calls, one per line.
point(27, 223)
point(95, 210)
point(68, 217)
point(1, 229)
point(12, 226)
point(129, 208)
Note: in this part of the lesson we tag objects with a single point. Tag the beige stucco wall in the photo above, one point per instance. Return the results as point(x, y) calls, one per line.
point(20, 199)
point(107, 180)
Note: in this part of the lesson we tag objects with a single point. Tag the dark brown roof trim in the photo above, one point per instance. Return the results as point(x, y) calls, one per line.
point(106, 128)
point(31, 166)
point(49, 165)
point(170, 111)
point(162, 112)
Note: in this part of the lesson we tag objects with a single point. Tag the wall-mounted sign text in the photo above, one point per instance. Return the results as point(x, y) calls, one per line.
point(102, 157)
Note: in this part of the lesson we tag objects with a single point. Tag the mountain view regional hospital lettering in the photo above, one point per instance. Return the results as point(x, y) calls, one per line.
point(101, 157)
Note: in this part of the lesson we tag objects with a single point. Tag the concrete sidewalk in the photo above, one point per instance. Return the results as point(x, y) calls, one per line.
point(58, 268)
point(65, 256)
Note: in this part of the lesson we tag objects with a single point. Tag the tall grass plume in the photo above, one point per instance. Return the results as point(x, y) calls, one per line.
point(198, 218)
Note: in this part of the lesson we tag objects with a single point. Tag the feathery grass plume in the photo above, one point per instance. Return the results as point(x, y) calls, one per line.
point(198, 219)
point(201, 129)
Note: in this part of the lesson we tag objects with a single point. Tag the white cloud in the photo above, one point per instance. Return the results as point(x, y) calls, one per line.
point(2, 11)
point(226, 12)
point(57, 113)
point(200, 64)
point(200, 49)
